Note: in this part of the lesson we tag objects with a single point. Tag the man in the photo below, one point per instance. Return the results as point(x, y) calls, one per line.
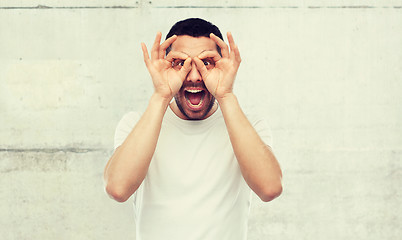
point(191, 162)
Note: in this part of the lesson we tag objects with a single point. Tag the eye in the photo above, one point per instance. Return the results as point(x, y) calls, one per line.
point(177, 64)
point(209, 63)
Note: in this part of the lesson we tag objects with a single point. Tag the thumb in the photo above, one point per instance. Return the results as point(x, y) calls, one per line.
point(186, 68)
point(201, 67)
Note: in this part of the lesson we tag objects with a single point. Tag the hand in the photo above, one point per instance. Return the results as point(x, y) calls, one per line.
point(167, 81)
point(219, 78)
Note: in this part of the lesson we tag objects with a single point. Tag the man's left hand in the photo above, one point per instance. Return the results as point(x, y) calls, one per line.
point(219, 77)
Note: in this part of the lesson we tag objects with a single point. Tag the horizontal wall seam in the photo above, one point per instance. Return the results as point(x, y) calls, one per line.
point(43, 7)
point(51, 150)
point(77, 7)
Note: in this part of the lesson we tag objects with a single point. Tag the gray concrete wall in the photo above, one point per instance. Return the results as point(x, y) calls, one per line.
point(327, 75)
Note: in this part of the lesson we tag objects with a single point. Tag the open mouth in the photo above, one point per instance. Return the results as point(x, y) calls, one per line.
point(194, 98)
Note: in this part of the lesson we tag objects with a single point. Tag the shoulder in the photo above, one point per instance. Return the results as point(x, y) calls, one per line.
point(261, 126)
point(124, 127)
point(129, 119)
point(256, 119)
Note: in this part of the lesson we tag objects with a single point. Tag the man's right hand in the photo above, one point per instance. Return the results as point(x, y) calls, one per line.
point(166, 79)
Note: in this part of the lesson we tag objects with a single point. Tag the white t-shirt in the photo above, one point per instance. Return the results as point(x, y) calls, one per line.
point(194, 189)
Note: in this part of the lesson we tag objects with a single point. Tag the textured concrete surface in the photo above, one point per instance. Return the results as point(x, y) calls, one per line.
point(327, 75)
point(59, 195)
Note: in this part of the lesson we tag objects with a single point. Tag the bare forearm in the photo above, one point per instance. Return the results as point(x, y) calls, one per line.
point(129, 164)
point(258, 164)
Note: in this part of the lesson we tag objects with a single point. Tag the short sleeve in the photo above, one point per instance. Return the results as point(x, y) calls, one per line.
point(124, 127)
point(261, 126)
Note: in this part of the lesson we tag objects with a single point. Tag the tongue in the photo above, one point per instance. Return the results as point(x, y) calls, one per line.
point(195, 98)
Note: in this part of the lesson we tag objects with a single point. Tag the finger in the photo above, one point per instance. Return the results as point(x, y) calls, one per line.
point(237, 54)
point(186, 68)
point(176, 55)
point(201, 67)
point(231, 44)
point(234, 50)
point(155, 47)
point(224, 47)
point(165, 45)
point(210, 54)
point(145, 53)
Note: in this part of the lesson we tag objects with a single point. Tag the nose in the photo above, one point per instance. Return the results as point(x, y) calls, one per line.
point(194, 75)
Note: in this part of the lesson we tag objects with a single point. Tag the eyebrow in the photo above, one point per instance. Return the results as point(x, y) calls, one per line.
point(206, 50)
point(183, 52)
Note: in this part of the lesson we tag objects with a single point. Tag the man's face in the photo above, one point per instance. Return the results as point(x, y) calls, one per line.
point(193, 99)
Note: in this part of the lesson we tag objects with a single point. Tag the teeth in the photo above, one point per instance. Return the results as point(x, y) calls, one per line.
point(193, 91)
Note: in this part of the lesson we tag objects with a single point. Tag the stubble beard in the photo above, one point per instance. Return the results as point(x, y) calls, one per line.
point(180, 106)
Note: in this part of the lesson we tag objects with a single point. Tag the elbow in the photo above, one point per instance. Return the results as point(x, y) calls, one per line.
point(117, 193)
point(270, 192)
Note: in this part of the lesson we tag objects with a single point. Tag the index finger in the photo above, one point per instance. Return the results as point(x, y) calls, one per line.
point(165, 45)
point(224, 47)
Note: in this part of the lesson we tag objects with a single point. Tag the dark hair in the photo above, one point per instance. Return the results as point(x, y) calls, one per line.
point(194, 27)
